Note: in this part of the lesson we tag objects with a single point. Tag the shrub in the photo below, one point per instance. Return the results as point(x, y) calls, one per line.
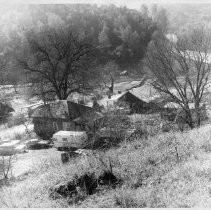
point(111, 130)
point(6, 164)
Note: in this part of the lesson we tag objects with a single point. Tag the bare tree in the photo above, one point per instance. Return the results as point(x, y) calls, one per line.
point(59, 59)
point(6, 164)
point(181, 70)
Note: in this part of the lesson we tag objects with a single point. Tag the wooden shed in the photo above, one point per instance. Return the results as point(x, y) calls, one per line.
point(63, 115)
point(136, 104)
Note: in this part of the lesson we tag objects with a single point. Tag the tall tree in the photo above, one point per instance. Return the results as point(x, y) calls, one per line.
point(181, 70)
point(59, 59)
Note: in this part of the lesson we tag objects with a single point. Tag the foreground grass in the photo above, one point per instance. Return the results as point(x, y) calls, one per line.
point(169, 170)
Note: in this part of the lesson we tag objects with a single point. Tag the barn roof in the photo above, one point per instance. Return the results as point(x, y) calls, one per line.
point(63, 109)
point(136, 92)
point(131, 93)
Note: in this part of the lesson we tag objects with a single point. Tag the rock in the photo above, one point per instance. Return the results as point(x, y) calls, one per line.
point(83, 185)
point(88, 183)
point(63, 189)
point(108, 178)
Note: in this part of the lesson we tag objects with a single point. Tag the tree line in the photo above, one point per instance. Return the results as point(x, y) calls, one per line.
point(63, 49)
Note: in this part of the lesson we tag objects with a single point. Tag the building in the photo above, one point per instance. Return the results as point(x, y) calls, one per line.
point(63, 115)
point(132, 101)
point(136, 104)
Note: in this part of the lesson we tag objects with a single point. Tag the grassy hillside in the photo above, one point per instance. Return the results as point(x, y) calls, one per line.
point(169, 170)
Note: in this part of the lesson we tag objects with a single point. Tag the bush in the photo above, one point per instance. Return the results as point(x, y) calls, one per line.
point(111, 130)
point(6, 164)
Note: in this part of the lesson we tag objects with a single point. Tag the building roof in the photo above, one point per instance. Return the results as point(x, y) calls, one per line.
point(131, 93)
point(137, 92)
point(142, 93)
point(63, 109)
point(69, 133)
point(110, 101)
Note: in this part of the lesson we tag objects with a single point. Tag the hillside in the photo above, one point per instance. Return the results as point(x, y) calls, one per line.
point(169, 170)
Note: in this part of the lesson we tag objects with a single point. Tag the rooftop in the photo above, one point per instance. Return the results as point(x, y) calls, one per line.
point(63, 109)
point(70, 133)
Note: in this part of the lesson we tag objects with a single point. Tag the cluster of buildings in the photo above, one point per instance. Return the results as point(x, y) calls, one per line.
point(72, 116)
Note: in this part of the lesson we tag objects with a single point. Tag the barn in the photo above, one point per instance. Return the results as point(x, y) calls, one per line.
point(136, 104)
point(63, 115)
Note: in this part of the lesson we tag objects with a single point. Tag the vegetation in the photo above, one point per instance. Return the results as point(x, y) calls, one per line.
point(181, 70)
point(71, 48)
point(6, 166)
point(57, 50)
point(59, 60)
point(163, 171)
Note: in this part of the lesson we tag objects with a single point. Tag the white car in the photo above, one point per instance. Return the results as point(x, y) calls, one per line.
point(69, 139)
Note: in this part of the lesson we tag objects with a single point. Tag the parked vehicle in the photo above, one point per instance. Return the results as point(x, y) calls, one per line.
point(69, 140)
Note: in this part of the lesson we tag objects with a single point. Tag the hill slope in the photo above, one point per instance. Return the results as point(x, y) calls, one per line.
point(169, 170)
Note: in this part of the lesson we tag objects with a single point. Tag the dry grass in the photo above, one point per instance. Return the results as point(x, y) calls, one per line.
point(169, 170)
point(15, 132)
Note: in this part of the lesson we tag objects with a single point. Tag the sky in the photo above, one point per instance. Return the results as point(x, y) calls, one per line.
point(128, 3)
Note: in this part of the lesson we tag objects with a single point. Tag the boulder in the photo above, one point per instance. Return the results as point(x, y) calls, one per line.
point(63, 189)
point(87, 183)
point(107, 178)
